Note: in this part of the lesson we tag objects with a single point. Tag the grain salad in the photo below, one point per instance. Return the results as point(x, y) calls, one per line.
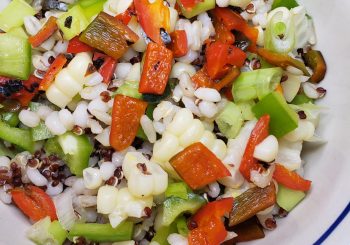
point(159, 122)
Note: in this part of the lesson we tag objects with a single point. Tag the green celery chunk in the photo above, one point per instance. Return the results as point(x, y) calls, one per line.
point(103, 232)
point(256, 84)
point(15, 56)
point(175, 206)
point(11, 118)
point(4, 151)
point(17, 136)
point(131, 89)
point(181, 225)
point(230, 120)
point(41, 132)
point(288, 198)
point(78, 23)
point(162, 234)
point(284, 3)
point(18, 32)
point(246, 108)
point(283, 119)
point(301, 99)
point(57, 231)
point(13, 14)
point(179, 189)
point(91, 8)
point(77, 150)
point(198, 9)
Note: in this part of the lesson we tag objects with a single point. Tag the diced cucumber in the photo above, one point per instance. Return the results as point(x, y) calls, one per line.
point(174, 206)
point(77, 150)
point(181, 226)
point(230, 120)
point(13, 14)
point(18, 32)
point(283, 119)
point(15, 56)
point(131, 89)
point(246, 108)
point(179, 189)
point(11, 118)
point(162, 234)
point(76, 25)
point(288, 198)
point(198, 9)
point(45, 232)
point(301, 99)
point(41, 132)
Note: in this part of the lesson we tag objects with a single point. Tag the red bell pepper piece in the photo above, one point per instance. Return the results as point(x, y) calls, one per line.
point(211, 230)
point(220, 57)
point(107, 68)
point(126, 115)
point(53, 70)
point(127, 15)
point(290, 179)
point(259, 133)
point(26, 95)
point(34, 203)
point(233, 21)
point(222, 33)
point(198, 166)
point(153, 17)
point(201, 79)
point(44, 33)
point(156, 69)
point(76, 46)
point(178, 43)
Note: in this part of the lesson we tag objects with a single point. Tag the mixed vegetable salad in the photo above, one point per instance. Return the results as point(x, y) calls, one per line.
point(156, 122)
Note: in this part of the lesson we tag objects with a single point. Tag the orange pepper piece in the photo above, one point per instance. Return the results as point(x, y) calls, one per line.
point(44, 33)
point(290, 179)
point(202, 80)
point(178, 43)
point(53, 70)
point(126, 115)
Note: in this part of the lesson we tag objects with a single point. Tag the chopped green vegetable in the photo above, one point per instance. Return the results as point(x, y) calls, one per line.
point(11, 118)
point(91, 8)
point(301, 99)
point(154, 98)
point(18, 32)
point(181, 225)
point(4, 151)
point(46, 232)
point(246, 108)
point(149, 110)
point(52, 147)
point(285, 3)
point(41, 132)
point(77, 150)
point(256, 84)
point(130, 88)
point(17, 136)
point(15, 56)
point(163, 233)
point(87, 3)
point(179, 189)
point(283, 119)
point(174, 206)
point(14, 13)
point(103, 232)
point(230, 120)
point(288, 198)
point(141, 134)
point(198, 9)
point(73, 22)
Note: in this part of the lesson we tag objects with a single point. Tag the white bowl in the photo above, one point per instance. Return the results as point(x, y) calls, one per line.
point(328, 166)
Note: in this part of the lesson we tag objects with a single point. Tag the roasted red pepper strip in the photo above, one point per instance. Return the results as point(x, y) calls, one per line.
point(228, 79)
point(178, 43)
point(156, 69)
point(220, 57)
point(127, 15)
point(26, 95)
point(44, 33)
point(201, 79)
point(211, 230)
point(290, 179)
point(259, 133)
point(53, 70)
point(153, 17)
point(198, 166)
point(222, 33)
point(126, 114)
point(107, 68)
point(34, 203)
point(233, 21)
point(76, 46)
